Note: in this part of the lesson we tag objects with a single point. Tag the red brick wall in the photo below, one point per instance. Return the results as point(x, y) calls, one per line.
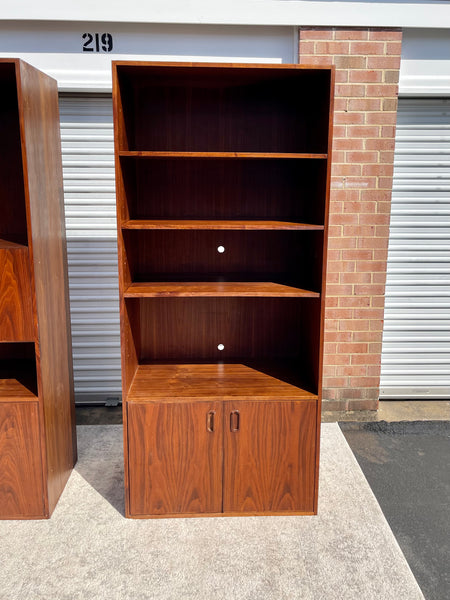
point(367, 68)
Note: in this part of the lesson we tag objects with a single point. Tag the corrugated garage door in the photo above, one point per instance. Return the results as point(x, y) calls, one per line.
point(416, 341)
point(89, 192)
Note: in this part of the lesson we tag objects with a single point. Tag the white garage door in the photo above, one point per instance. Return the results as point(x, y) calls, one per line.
point(416, 341)
point(89, 192)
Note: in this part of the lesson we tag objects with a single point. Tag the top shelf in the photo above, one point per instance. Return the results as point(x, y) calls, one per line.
point(248, 155)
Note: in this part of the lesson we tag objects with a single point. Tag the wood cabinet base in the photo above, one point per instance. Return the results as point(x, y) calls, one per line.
point(230, 458)
point(21, 479)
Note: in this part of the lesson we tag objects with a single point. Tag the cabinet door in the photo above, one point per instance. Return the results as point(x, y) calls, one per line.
point(21, 485)
point(270, 451)
point(175, 458)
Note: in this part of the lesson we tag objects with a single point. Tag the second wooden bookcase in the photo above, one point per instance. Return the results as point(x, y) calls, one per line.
point(222, 178)
point(37, 412)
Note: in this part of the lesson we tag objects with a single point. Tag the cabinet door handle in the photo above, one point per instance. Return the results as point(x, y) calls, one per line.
point(210, 421)
point(235, 421)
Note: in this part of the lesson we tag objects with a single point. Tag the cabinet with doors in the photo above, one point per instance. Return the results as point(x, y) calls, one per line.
point(222, 178)
point(37, 425)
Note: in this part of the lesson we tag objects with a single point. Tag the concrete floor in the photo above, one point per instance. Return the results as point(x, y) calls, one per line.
point(395, 410)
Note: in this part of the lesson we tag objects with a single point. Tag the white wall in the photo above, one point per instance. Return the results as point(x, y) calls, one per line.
point(57, 48)
point(425, 66)
point(375, 13)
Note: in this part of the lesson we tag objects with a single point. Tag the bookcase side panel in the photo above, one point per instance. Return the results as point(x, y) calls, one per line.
point(44, 192)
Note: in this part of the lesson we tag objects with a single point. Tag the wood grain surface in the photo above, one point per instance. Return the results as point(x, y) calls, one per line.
point(213, 155)
point(21, 487)
point(14, 389)
point(41, 142)
point(227, 289)
point(176, 462)
point(16, 311)
point(269, 462)
point(217, 224)
point(223, 381)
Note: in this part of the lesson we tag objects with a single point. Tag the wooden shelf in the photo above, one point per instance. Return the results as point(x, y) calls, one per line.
point(12, 390)
point(195, 224)
point(7, 245)
point(251, 155)
point(265, 289)
point(221, 381)
point(18, 376)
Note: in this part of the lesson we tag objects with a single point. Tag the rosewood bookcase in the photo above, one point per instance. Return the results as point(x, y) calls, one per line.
point(37, 425)
point(222, 175)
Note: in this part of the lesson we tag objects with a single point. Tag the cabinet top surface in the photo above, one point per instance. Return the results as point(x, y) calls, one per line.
point(220, 381)
point(12, 390)
point(7, 245)
point(212, 65)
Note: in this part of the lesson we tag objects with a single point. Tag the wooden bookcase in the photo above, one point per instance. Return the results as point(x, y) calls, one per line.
point(222, 176)
point(37, 425)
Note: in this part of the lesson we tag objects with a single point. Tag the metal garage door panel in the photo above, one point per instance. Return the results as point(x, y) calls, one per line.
point(416, 340)
point(89, 195)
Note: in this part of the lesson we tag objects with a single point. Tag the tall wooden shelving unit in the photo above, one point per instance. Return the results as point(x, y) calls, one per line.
point(37, 425)
point(222, 178)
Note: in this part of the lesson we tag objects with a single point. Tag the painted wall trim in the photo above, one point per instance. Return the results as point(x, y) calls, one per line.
point(369, 13)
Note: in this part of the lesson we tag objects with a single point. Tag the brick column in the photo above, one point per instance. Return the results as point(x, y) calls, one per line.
point(367, 69)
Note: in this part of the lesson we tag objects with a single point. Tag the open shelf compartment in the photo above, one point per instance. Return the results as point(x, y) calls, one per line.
point(18, 379)
point(220, 108)
point(228, 330)
point(269, 261)
point(13, 221)
point(279, 190)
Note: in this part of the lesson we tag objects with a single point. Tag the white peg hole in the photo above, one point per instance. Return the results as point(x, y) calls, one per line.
point(220, 347)
point(220, 249)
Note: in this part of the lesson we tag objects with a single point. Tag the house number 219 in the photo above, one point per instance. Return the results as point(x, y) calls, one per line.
point(97, 42)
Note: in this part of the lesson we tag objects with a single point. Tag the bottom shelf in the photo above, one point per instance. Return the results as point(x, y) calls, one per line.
point(18, 381)
point(217, 380)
